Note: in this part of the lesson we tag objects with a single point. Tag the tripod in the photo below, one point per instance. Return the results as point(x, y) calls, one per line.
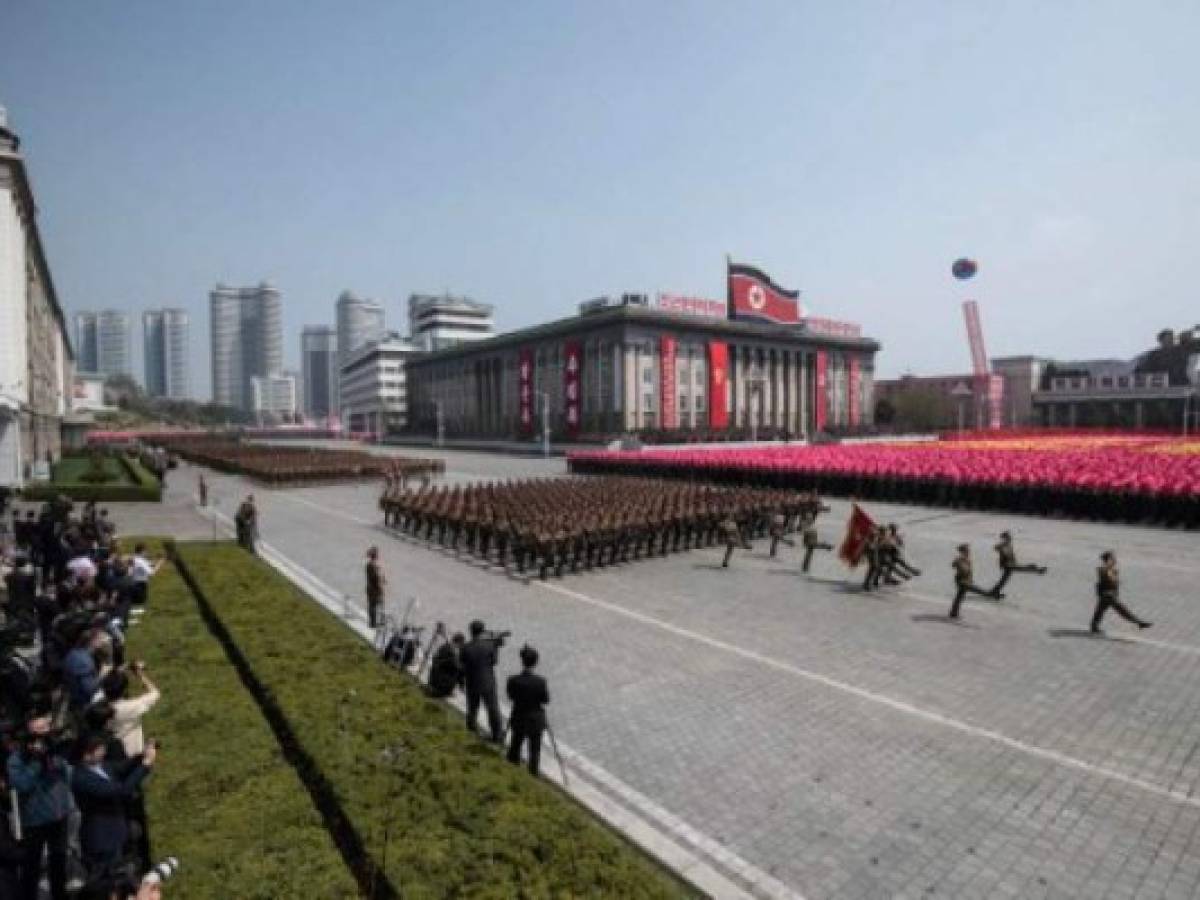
point(439, 633)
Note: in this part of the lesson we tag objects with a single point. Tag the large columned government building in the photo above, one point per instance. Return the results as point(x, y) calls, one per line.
point(632, 366)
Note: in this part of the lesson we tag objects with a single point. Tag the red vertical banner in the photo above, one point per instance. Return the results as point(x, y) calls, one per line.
point(525, 382)
point(718, 377)
point(821, 401)
point(854, 386)
point(572, 367)
point(669, 391)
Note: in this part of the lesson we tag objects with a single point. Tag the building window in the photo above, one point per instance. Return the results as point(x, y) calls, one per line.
point(1123, 381)
point(683, 403)
point(699, 404)
point(1106, 382)
point(648, 375)
point(648, 402)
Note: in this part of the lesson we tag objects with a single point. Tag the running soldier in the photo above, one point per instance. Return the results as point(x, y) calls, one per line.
point(1108, 591)
point(1008, 564)
point(964, 579)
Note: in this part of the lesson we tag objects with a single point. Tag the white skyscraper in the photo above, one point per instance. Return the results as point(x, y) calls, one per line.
point(359, 321)
point(247, 340)
point(438, 321)
point(166, 351)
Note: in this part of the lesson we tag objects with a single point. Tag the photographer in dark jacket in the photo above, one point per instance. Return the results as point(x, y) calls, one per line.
point(479, 672)
point(529, 696)
point(446, 672)
point(103, 791)
point(39, 773)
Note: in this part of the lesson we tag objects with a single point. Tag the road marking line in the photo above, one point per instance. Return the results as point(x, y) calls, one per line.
point(881, 699)
point(657, 829)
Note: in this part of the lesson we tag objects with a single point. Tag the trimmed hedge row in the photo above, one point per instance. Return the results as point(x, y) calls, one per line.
point(140, 484)
point(459, 820)
point(221, 797)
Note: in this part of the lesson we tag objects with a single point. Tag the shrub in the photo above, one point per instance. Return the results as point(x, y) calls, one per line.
point(124, 480)
point(463, 822)
point(221, 799)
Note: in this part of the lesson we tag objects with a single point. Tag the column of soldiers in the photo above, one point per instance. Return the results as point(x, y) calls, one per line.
point(549, 525)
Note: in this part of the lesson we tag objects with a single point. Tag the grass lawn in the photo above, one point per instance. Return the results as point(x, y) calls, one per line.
point(128, 480)
point(222, 798)
point(459, 820)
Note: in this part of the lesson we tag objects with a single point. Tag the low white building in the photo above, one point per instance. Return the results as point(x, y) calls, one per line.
point(275, 394)
point(373, 387)
point(89, 393)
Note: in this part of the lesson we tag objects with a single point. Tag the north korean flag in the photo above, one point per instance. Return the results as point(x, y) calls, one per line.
point(753, 295)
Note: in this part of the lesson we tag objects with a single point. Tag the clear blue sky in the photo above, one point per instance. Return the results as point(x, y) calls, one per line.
point(536, 154)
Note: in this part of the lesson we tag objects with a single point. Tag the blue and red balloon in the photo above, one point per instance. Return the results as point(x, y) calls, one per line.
point(964, 268)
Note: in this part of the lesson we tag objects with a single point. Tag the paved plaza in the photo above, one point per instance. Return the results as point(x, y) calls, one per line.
point(835, 743)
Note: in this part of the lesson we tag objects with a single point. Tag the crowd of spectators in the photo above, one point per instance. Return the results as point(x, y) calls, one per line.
point(76, 759)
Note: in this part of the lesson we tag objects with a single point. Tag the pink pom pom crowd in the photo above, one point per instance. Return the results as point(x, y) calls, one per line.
point(1107, 477)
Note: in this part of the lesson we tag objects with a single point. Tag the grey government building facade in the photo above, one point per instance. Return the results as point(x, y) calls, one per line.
point(627, 367)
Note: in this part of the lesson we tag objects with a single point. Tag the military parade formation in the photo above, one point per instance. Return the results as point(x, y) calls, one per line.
point(280, 466)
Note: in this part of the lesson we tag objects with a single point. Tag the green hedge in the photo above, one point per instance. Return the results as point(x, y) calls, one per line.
point(221, 798)
point(136, 484)
point(463, 822)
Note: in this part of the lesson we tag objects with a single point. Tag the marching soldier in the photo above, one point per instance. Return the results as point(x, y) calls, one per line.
point(1108, 590)
point(202, 489)
point(1008, 564)
point(811, 540)
point(779, 522)
point(964, 579)
point(897, 562)
point(529, 696)
point(375, 583)
point(873, 553)
point(733, 538)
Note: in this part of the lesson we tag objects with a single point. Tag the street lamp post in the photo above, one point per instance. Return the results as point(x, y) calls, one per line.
point(441, 423)
point(961, 392)
point(546, 424)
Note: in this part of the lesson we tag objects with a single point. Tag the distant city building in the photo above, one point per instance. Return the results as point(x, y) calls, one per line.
point(439, 321)
point(37, 363)
point(103, 339)
point(1158, 389)
point(359, 321)
point(165, 343)
point(319, 371)
point(374, 396)
point(247, 340)
point(275, 394)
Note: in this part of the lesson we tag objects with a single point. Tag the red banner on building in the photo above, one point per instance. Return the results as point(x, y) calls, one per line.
point(821, 401)
point(525, 381)
point(753, 295)
point(667, 351)
point(718, 376)
point(572, 368)
point(854, 387)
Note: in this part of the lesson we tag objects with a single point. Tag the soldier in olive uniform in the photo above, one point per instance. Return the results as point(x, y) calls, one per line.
point(1108, 590)
point(733, 538)
point(778, 530)
point(375, 583)
point(964, 579)
point(812, 541)
point(1008, 564)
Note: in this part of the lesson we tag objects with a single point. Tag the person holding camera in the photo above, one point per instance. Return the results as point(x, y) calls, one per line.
point(126, 721)
point(479, 657)
point(103, 791)
point(445, 672)
point(529, 696)
point(40, 776)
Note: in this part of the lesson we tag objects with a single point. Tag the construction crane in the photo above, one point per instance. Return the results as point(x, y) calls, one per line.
point(989, 388)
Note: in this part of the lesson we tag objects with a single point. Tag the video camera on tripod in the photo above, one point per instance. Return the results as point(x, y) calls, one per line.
point(496, 637)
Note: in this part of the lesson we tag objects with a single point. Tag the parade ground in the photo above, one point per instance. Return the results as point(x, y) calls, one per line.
point(808, 739)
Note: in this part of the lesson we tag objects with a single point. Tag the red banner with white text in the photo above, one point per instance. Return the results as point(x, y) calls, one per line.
point(667, 351)
point(572, 367)
point(821, 401)
point(854, 387)
point(525, 382)
point(718, 377)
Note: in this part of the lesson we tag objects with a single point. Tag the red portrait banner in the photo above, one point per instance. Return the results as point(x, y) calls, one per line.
point(572, 368)
point(821, 401)
point(854, 386)
point(525, 383)
point(669, 390)
point(718, 376)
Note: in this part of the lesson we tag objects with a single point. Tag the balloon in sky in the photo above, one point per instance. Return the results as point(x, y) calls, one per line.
point(964, 268)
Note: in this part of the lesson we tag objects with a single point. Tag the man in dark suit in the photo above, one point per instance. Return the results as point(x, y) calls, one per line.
point(102, 791)
point(478, 659)
point(529, 696)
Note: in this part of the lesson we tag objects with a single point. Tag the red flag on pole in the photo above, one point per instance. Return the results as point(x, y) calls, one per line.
point(857, 529)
